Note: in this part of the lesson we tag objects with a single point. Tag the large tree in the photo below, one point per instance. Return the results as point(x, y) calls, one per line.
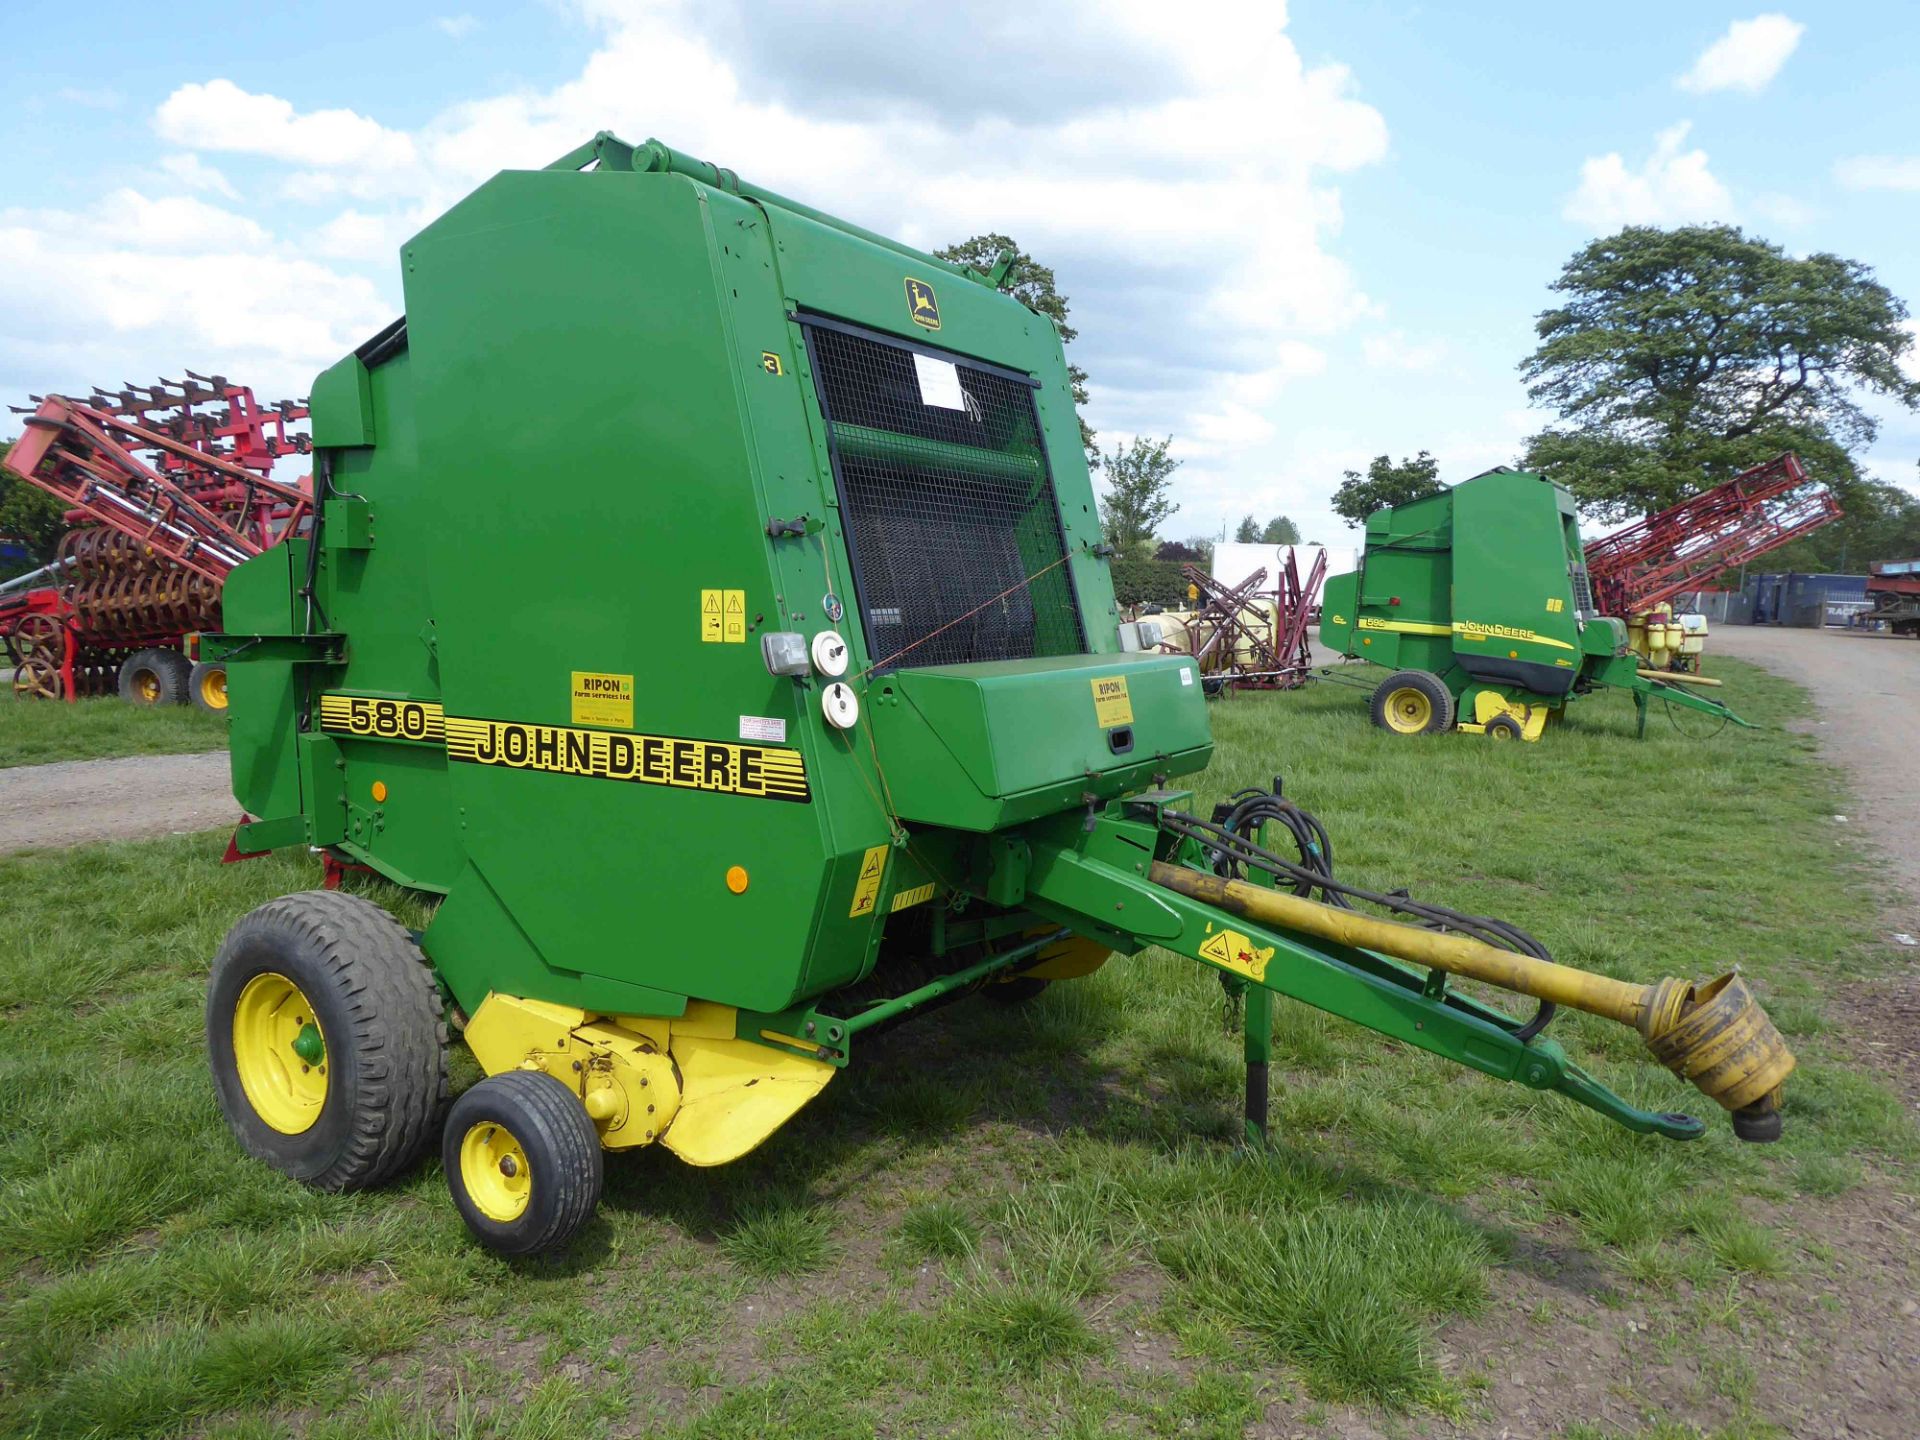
point(1280, 531)
point(1248, 532)
point(1384, 484)
point(1678, 357)
point(30, 514)
point(1032, 284)
point(1135, 502)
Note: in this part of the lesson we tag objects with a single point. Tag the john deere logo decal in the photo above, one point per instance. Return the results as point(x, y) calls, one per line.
point(921, 305)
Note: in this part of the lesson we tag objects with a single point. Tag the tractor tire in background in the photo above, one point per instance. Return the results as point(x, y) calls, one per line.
point(328, 1040)
point(207, 687)
point(523, 1161)
point(154, 677)
point(1413, 702)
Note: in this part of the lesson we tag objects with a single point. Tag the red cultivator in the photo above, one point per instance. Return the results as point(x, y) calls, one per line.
point(1246, 636)
point(1684, 546)
point(167, 499)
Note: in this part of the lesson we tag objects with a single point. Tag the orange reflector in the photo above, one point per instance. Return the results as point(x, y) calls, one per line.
point(737, 879)
point(379, 791)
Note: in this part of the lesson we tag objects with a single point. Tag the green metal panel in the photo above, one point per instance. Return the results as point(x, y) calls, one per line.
point(982, 746)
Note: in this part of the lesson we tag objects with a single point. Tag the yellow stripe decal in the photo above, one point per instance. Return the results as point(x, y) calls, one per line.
point(1405, 627)
point(767, 772)
point(1474, 630)
point(918, 895)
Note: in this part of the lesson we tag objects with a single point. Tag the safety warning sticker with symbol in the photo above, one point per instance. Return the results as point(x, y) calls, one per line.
point(723, 617)
point(866, 889)
point(1236, 952)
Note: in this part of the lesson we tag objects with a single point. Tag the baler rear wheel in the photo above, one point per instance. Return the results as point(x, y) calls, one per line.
point(1413, 702)
point(327, 1040)
point(207, 687)
point(523, 1161)
point(154, 677)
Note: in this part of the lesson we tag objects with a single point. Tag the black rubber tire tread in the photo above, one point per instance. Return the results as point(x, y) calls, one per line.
point(374, 993)
point(193, 685)
point(169, 667)
point(1505, 725)
point(564, 1159)
point(1430, 685)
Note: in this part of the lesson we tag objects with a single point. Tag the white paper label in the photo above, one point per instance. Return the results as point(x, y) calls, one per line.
point(763, 727)
point(1186, 676)
point(939, 382)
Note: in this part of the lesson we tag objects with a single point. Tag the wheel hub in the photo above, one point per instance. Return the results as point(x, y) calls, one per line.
point(280, 1053)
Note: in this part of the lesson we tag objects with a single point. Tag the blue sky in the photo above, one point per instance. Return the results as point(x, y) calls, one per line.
point(1294, 237)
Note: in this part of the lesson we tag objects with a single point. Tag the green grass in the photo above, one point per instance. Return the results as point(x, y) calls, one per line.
point(38, 732)
point(997, 1222)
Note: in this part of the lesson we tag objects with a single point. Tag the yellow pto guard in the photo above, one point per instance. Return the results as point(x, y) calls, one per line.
point(1712, 1033)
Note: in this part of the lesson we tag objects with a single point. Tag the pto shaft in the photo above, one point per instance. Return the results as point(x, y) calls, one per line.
point(1712, 1034)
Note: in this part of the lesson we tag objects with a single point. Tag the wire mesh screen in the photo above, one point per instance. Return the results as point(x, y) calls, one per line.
point(948, 503)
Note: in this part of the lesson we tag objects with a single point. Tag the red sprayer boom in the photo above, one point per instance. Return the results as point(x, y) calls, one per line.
point(1682, 547)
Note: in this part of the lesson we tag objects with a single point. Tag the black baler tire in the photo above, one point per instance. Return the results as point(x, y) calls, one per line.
point(1430, 685)
point(1505, 725)
point(564, 1160)
point(386, 1035)
point(169, 668)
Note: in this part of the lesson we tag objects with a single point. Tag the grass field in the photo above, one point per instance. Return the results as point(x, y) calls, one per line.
point(997, 1223)
point(38, 732)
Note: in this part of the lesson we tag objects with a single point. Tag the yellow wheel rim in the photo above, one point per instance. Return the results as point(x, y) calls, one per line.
point(1500, 732)
point(280, 1053)
point(213, 689)
point(493, 1170)
point(147, 686)
point(1409, 711)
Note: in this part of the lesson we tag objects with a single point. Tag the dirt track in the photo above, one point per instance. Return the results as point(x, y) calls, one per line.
point(1867, 688)
point(80, 801)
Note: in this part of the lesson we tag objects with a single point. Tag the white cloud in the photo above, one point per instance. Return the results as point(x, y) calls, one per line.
point(1394, 351)
point(1673, 187)
point(456, 27)
point(1746, 58)
point(1782, 209)
point(191, 171)
point(136, 287)
point(1879, 172)
point(1177, 168)
point(219, 115)
point(101, 99)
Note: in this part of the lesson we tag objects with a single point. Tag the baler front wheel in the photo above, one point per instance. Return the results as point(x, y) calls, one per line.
point(1413, 702)
point(327, 1040)
point(523, 1161)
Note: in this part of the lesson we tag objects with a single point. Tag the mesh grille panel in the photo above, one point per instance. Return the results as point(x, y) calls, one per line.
point(948, 503)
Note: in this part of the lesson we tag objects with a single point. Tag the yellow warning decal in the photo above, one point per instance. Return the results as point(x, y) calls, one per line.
point(867, 888)
point(918, 895)
point(1235, 951)
point(602, 699)
point(922, 308)
point(770, 363)
point(1111, 704)
point(765, 771)
point(723, 617)
point(383, 719)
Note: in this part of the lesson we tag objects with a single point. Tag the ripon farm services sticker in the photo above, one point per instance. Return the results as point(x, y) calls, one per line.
point(1111, 704)
point(603, 699)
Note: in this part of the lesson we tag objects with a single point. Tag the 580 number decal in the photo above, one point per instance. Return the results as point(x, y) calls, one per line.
point(384, 719)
